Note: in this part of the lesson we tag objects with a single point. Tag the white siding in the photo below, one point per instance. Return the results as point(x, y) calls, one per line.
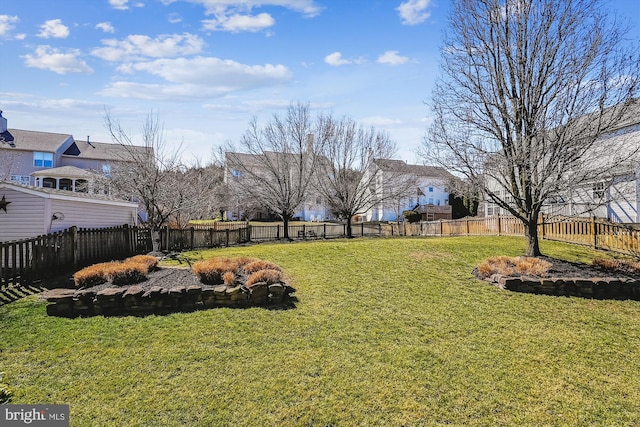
point(90, 214)
point(25, 216)
point(30, 212)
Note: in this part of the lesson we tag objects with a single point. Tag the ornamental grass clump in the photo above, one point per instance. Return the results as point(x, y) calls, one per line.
point(258, 265)
point(268, 276)
point(149, 261)
point(229, 278)
point(211, 271)
point(627, 266)
point(126, 273)
point(510, 266)
point(93, 275)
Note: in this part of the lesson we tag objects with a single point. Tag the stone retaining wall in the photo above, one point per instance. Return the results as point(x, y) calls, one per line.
point(598, 288)
point(137, 300)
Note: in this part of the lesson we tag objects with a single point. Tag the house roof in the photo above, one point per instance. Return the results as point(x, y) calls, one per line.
point(417, 170)
point(29, 140)
point(103, 151)
point(64, 194)
point(64, 172)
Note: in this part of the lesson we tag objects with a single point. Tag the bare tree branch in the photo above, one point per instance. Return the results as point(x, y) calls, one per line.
point(528, 88)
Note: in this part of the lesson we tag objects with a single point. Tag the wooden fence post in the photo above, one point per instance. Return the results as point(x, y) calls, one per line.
point(191, 237)
point(227, 236)
point(75, 256)
point(594, 232)
point(499, 226)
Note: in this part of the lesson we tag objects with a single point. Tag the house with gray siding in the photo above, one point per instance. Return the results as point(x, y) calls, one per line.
point(53, 160)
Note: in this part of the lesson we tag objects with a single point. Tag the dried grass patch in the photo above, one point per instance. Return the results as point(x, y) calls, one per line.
point(510, 266)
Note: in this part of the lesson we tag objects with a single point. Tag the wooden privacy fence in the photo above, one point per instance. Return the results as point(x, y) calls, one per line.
point(313, 231)
point(27, 261)
point(24, 262)
point(175, 239)
point(594, 232)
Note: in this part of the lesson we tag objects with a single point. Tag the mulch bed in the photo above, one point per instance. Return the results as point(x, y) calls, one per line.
point(560, 268)
point(164, 277)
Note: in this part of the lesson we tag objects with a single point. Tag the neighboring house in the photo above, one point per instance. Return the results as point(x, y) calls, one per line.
point(616, 195)
point(27, 211)
point(240, 206)
point(424, 190)
point(53, 160)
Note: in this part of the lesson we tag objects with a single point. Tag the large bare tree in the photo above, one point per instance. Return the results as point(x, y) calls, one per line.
point(527, 90)
point(346, 172)
point(276, 163)
point(154, 175)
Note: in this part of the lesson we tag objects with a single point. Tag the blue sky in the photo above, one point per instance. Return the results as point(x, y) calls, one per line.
point(206, 67)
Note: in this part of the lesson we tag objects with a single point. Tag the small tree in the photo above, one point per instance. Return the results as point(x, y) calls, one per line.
point(346, 173)
point(277, 163)
point(154, 176)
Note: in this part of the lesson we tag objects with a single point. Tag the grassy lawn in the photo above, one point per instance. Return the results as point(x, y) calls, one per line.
point(387, 332)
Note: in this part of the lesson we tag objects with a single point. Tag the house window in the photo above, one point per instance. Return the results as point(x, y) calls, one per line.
point(430, 189)
point(21, 179)
point(598, 190)
point(65, 184)
point(43, 160)
point(430, 200)
point(106, 171)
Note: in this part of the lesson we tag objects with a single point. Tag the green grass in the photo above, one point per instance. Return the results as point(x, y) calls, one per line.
point(387, 332)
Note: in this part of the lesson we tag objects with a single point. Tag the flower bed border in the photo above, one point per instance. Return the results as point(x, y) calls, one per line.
point(597, 287)
point(134, 300)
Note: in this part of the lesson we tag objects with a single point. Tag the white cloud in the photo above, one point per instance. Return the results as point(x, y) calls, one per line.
point(106, 27)
point(48, 58)
point(197, 78)
point(119, 4)
point(137, 46)
point(174, 18)
point(213, 7)
point(123, 4)
point(53, 28)
point(236, 16)
point(414, 12)
point(335, 59)
point(237, 23)
point(391, 57)
point(7, 23)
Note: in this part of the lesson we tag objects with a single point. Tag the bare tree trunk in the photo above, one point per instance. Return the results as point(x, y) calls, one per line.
point(349, 228)
point(531, 232)
point(285, 221)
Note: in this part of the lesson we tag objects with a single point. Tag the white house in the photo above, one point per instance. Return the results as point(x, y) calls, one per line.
point(425, 190)
point(613, 193)
point(312, 209)
point(27, 211)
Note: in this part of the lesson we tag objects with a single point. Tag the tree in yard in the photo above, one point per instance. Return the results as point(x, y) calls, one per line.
point(528, 89)
point(154, 175)
point(276, 164)
point(346, 172)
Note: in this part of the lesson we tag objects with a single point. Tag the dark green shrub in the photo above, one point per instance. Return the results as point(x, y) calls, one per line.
point(411, 216)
